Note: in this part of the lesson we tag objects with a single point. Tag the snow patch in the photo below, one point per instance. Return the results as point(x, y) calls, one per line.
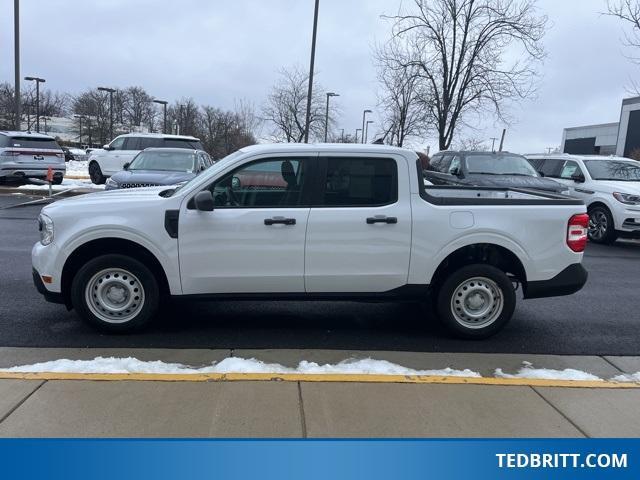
point(67, 184)
point(527, 371)
point(231, 365)
point(77, 168)
point(629, 377)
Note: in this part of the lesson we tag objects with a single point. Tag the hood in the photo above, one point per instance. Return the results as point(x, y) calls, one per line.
point(155, 177)
point(514, 181)
point(611, 186)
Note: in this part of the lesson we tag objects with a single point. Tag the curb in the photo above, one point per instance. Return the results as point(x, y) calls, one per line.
point(327, 378)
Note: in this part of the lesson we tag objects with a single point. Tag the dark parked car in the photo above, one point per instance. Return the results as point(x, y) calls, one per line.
point(160, 166)
point(487, 169)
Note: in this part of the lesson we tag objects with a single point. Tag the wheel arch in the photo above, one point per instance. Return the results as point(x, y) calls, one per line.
point(111, 245)
point(483, 253)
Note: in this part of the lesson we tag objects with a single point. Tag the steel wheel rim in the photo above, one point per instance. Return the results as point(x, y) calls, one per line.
point(115, 295)
point(477, 302)
point(598, 224)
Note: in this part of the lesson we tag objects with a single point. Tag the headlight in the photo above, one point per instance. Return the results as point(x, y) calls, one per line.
point(627, 198)
point(45, 225)
point(111, 183)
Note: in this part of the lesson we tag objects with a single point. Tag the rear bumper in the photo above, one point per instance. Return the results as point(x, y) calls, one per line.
point(568, 281)
point(52, 297)
point(30, 172)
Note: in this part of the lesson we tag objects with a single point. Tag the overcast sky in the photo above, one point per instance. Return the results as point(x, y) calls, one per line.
point(218, 51)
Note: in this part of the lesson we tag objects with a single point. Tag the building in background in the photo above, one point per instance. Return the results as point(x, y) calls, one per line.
point(621, 138)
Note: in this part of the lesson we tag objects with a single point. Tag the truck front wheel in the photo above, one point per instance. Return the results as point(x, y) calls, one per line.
point(476, 301)
point(115, 293)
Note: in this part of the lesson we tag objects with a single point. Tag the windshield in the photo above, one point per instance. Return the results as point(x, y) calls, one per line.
point(164, 161)
point(219, 165)
point(500, 165)
point(625, 171)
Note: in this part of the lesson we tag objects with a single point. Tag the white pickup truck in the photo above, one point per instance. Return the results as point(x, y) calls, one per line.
point(315, 222)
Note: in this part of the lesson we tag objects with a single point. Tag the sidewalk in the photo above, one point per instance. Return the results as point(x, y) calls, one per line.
point(88, 408)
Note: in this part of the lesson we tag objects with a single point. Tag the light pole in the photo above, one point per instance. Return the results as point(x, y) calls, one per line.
point(110, 91)
point(342, 136)
point(364, 116)
point(164, 114)
point(16, 45)
point(80, 118)
point(38, 82)
point(366, 131)
point(493, 143)
point(357, 130)
point(311, 67)
point(326, 115)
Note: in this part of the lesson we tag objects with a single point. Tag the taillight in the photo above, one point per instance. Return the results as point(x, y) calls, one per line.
point(577, 232)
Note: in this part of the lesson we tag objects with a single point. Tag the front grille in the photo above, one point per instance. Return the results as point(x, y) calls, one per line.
point(137, 185)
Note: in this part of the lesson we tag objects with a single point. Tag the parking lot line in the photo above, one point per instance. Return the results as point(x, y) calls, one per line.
point(299, 377)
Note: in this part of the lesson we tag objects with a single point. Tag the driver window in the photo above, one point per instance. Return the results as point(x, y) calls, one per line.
point(454, 167)
point(265, 183)
point(570, 169)
point(117, 143)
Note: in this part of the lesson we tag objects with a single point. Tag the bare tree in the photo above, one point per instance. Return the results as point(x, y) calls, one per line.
point(7, 106)
point(138, 107)
point(471, 144)
point(629, 12)
point(285, 108)
point(184, 117)
point(399, 101)
point(459, 48)
point(223, 132)
point(94, 106)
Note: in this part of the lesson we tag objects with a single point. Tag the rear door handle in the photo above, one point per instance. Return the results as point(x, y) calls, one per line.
point(381, 219)
point(279, 221)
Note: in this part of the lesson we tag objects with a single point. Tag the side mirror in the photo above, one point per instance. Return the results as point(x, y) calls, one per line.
point(578, 178)
point(541, 173)
point(204, 201)
point(107, 147)
point(455, 172)
point(126, 166)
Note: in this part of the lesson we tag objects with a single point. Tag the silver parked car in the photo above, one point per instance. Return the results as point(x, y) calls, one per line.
point(25, 155)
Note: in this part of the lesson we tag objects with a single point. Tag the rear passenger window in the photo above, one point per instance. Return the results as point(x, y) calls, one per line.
point(148, 143)
point(131, 143)
point(360, 182)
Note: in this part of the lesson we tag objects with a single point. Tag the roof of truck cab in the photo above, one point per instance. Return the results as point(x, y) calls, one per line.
point(325, 147)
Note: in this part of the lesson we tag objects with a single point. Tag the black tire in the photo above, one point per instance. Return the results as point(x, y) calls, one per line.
point(57, 181)
point(128, 270)
point(486, 285)
point(95, 173)
point(601, 226)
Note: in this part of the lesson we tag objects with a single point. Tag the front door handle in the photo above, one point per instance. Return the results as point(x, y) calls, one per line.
point(279, 221)
point(381, 219)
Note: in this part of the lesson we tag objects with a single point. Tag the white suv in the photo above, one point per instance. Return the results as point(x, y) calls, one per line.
point(112, 157)
point(25, 155)
point(610, 186)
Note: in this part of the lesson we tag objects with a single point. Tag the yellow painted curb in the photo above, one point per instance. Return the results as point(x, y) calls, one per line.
point(304, 377)
point(78, 177)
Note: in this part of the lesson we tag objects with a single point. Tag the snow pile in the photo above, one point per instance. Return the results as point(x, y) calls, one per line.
point(527, 371)
point(631, 377)
point(77, 168)
point(230, 365)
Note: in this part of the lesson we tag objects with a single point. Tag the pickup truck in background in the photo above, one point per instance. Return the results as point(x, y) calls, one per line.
point(342, 222)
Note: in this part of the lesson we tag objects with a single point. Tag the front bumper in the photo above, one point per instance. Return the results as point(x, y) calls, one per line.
point(52, 297)
point(567, 282)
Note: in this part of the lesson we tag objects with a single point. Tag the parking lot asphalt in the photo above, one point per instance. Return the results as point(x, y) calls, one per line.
point(602, 319)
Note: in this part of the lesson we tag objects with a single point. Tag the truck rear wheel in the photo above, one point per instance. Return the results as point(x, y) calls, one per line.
point(476, 301)
point(115, 293)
